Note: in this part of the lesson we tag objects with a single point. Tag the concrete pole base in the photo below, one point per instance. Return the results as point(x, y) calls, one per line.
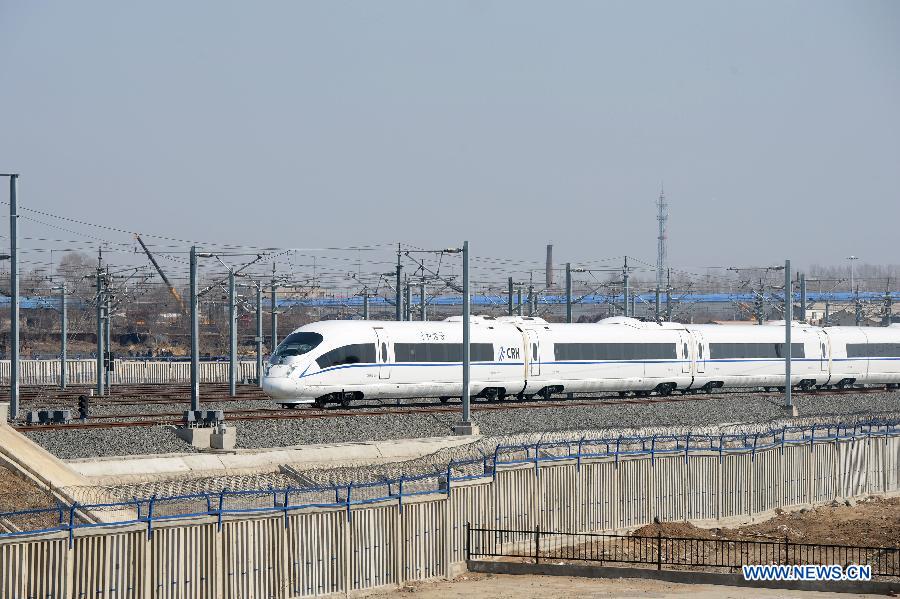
point(224, 438)
point(208, 438)
point(791, 411)
point(464, 428)
point(198, 437)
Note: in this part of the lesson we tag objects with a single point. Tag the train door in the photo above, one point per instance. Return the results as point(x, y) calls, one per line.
point(381, 353)
point(685, 351)
point(823, 351)
point(701, 353)
point(534, 352)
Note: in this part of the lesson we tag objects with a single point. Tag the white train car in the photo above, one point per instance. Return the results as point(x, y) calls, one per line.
point(753, 356)
point(339, 361)
point(616, 354)
point(864, 355)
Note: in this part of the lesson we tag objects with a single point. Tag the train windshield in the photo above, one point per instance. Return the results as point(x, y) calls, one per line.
point(296, 344)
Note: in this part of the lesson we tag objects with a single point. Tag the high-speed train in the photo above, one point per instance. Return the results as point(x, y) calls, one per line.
point(340, 361)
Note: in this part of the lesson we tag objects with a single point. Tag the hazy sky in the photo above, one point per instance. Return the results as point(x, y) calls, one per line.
point(775, 126)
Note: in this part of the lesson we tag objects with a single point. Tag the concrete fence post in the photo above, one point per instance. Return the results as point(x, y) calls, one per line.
point(468, 542)
point(836, 472)
point(70, 556)
point(652, 499)
point(146, 541)
point(220, 556)
point(447, 545)
point(811, 470)
point(782, 481)
point(719, 499)
point(577, 500)
point(752, 494)
point(868, 453)
point(398, 544)
point(347, 566)
point(659, 550)
point(284, 589)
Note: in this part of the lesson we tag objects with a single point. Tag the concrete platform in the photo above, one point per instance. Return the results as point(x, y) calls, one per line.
point(130, 469)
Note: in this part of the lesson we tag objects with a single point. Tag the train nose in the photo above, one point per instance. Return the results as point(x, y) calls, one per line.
point(280, 387)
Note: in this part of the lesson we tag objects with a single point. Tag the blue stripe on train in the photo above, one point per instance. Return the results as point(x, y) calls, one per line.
point(580, 362)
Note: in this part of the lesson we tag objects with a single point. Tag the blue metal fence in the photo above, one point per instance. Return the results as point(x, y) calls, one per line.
point(549, 299)
point(32, 303)
point(223, 502)
point(125, 357)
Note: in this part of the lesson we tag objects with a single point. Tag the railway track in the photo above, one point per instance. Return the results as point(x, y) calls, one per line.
point(112, 421)
point(382, 409)
point(160, 393)
point(124, 395)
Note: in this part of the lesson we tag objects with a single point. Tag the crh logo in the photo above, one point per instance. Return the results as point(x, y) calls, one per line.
point(508, 353)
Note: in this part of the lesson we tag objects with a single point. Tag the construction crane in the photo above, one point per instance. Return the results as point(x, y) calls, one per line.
point(162, 275)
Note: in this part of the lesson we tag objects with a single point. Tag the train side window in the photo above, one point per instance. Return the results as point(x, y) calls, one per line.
point(384, 352)
point(700, 351)
point(442, 352)
point(438, 352)
point(662, 351)
point(481, 352)
point(886, 350)
point(617, 351)
point(534, 352)
point(685, 351)
point(361, 353)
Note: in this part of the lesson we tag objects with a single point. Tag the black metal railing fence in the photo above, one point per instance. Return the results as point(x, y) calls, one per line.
point(671, 552)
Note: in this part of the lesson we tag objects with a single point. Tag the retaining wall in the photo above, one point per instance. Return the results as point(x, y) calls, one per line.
point(316, 551)
point(84, 372)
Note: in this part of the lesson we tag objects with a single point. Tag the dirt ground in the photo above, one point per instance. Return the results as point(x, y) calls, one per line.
point(870, 522)
point(503, 586)
point(17, 494)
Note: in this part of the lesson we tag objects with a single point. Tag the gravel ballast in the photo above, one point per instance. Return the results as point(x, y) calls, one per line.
point(692, 411)
point(91, 443)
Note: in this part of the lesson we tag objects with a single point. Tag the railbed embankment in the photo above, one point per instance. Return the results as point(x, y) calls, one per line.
point(736, 408)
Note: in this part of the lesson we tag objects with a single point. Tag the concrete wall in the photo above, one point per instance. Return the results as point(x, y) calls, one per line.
point(333, 550)
point(84, 372)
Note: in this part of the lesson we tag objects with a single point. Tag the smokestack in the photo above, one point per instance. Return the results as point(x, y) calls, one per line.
point(549, 280)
